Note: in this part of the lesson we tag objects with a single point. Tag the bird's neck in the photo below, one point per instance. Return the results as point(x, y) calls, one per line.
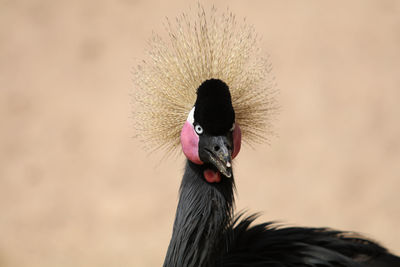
point(202, 218)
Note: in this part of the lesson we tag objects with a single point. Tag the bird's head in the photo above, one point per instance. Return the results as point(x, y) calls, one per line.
point(210, 136)
point(200, 47)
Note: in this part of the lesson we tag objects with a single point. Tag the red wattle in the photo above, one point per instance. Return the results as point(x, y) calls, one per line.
point(212, 176)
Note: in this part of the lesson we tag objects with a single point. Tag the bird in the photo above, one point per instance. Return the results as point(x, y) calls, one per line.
point(206, 89)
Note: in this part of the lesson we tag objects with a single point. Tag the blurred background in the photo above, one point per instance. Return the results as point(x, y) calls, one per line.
point(77, 190)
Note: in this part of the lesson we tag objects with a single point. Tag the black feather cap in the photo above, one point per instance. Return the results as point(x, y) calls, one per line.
point(213, 107)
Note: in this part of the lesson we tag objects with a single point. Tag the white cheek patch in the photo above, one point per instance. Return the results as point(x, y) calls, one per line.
point(190, 117)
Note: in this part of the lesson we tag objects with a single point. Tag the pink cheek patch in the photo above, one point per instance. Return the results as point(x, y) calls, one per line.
point(237, 141)
point(190, 143)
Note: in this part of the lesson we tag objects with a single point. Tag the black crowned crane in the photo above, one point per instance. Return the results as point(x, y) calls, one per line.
point(207, 89)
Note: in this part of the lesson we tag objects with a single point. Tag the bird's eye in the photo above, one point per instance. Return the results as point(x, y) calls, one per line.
point(198, 129)
point(233, 127)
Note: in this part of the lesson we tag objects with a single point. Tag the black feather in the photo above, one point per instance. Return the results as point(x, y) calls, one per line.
point(206, 234)
point(202, 219)
point(270, 245)
point(213, 107)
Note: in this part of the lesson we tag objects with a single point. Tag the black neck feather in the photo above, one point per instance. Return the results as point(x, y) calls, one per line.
point(202, 218)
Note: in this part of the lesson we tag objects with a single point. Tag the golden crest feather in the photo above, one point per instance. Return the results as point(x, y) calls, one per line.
point(210, 46)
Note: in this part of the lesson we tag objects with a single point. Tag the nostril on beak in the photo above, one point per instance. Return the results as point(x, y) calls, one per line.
point(216, 148)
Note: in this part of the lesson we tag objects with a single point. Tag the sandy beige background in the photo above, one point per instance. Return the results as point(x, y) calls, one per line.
point(76, 189)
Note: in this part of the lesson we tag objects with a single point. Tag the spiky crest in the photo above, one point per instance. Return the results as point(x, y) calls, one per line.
point(210, 46)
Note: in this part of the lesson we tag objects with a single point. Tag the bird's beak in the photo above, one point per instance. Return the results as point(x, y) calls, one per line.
point(217, 150)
